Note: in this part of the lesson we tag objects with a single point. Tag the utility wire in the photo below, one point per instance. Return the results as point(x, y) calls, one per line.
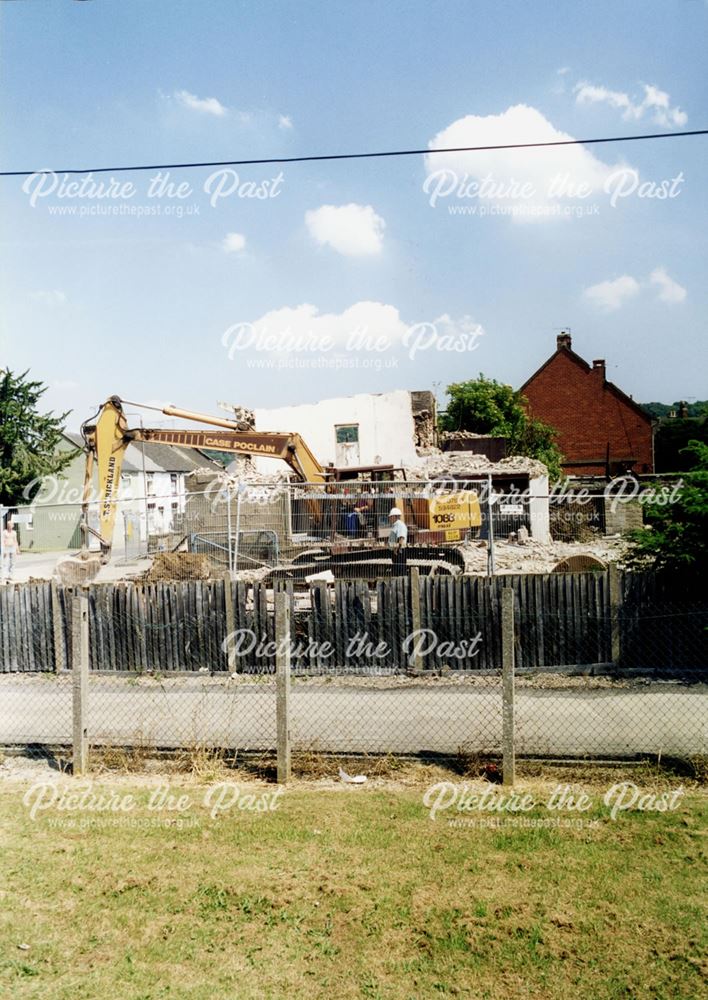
point(350, 156)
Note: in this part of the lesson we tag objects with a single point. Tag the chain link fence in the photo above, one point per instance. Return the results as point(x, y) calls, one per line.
point(252, 530)
point(604, 666)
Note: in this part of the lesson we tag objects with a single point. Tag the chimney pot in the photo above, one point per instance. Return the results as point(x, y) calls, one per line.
point(563, 340)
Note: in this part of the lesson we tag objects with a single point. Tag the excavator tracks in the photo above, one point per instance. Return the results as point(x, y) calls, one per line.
point(370, 564)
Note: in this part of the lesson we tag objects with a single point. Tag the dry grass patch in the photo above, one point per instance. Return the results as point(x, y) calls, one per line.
point(354, 893)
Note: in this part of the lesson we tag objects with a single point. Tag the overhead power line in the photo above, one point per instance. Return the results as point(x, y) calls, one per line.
point(350, 156)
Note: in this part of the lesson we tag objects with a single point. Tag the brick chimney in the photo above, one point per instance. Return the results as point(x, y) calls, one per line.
point(598, 365)
point(563, 340)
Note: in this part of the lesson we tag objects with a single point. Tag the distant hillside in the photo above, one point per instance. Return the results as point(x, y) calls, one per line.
point(657, 410)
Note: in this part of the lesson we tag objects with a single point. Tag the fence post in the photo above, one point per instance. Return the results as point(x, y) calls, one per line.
point(508, 749)
point(491, 566)
point(2, 549)
point(57, 630)
point(80, 670)
point(230, 620)
point(228, 532)
point(282, 683)
point(238, 528)
point(615, 582)
point(416, 660)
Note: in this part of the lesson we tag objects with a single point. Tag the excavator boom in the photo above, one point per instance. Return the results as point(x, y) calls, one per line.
point(108, 437)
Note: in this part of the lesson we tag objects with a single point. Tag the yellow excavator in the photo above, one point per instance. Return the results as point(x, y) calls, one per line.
point(107, 436)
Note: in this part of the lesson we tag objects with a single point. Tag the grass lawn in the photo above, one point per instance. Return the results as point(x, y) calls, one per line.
point(349, 892)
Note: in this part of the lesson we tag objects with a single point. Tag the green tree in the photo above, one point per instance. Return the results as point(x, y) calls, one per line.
point(28, 438)
point(674, 540)
point(671, 439)
point(698, 408)
point(485, 406)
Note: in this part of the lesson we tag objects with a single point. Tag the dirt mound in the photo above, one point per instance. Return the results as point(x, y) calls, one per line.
point(178, 566)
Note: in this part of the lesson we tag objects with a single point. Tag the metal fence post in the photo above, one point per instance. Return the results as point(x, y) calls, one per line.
point(491, 568)
point(508, 748)
point(282, 684)
point(80, 670)
point(234, 565)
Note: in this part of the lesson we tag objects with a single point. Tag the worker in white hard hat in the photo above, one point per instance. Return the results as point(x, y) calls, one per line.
point(397, 541)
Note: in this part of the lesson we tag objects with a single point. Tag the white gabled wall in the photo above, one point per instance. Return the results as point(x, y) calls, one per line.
point(386, 428)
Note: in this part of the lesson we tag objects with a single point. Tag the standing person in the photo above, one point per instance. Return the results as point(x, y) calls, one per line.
point(362, 509)
point(397, 540)
point(10, 548)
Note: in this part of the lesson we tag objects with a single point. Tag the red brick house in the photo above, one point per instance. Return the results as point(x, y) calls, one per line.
point(601, 430)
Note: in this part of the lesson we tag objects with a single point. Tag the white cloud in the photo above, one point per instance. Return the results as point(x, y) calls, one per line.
point(205, 105)
point(50, 298)
point(353, 230)
point(669, 290)
point(233, 242)
point(521, 180)
point(587, 93)
point(369, 327)
point(610, 295)
point(306, 321)
point(655, 102)
point(213, 106)
point(663, 114)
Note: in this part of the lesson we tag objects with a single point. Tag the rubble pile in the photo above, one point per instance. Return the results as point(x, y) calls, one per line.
point(77, 571)
point(254, 575)
point(538, 557)
point(439, 464)
point(241, 470)
point(461, 435)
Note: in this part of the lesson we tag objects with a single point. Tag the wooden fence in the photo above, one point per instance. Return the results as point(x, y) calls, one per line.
point(573, 620)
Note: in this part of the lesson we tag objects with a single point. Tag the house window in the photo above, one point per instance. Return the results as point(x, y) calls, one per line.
point(347, 445)
point(150, 480)
point(346, 433)
point(173, 483)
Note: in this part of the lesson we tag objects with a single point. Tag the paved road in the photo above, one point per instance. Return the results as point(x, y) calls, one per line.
point(403, 718)
point(41, 566)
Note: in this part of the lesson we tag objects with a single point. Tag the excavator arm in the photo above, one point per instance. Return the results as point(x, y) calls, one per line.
point(109, 435)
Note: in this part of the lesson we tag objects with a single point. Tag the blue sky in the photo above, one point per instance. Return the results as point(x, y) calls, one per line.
point(150, 307)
